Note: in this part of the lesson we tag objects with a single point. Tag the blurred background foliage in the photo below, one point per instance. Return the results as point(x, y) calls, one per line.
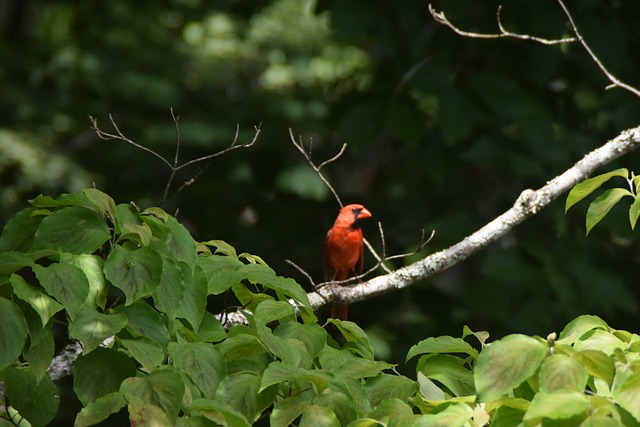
point(444, 133)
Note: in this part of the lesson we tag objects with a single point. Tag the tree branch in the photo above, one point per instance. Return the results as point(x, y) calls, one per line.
point(528, 204)
point(441, 18)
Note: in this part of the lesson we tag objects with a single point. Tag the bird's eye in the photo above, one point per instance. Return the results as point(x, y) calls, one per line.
point(356, 211)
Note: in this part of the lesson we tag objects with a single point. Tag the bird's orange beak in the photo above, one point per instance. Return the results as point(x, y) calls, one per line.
point(364, 213)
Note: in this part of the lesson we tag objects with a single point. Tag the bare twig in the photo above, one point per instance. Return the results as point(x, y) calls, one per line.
point(302, 271)
point(441, 18)
point(307, 157)
point(175, 167)
point(613, 79)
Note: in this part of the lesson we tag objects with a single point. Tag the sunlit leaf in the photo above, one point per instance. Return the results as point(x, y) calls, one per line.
point(599, 208)
point(588, 186)
point(505, 364)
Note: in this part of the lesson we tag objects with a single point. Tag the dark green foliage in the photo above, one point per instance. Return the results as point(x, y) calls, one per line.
point(173, 363)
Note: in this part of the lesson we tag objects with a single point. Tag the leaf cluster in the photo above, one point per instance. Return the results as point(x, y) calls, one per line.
point(602, 204)
point(131, 286)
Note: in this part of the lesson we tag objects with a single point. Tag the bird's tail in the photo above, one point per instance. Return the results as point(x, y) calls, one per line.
point(340, 311)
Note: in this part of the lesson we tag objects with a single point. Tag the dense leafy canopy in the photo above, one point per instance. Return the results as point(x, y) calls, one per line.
point(177, 364)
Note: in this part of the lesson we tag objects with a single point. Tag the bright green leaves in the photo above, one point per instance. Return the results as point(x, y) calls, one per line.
point(163, 388)
point(73, 229)
point(588, 186)
point(507, 363)
point(136, 272)
point(66, 283)
point(602, 204)
point(91, 328)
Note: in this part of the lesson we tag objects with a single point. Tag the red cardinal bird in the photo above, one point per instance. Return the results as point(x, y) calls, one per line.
point(343, 251)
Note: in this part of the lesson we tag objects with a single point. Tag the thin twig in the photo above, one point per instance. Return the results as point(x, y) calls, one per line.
point(613, 79)
point(109, 136)
point(306, 155)
point(441, 18)
point(175, 167)
point(301, 270)
point(504, 33)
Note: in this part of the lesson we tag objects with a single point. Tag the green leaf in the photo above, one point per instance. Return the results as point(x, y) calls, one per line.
point(91, 266)
point(506, 416)
point(180, 242)
point(395, 410)
point(386, 386)
point(36, 401)
point(357, 339)
point(101, 201)
point(449, 371)
point(240, 391)
point(241, 346)
point(312, 335)
point(222, 247)
point(203, 363)
point(278, 372)
point(597, 363)
point(580, 326)
point(626, 389)
point(43, 304)
point(129, 225)
point(73, 229)
point(557, 405)
point(454, 415)
point(443, 344)
point(66, 283)
point(163, 388)
point(222, 272)
point(269, 311)
point(19, 232)
point(561, 371)
point(315, 415)
point(40, 354)
point(145, 350)
point(428, 389)
point(100, 409)
point(194, 300)
point(286, 411)
point(340, 403)
point(11, 262)
point(219, 412)
point(145, 321)
point(92, 328)
point(603, 341)
point(211, 329)
point(359, 368)
point(505, 364)
point(285, 350)
point(14, 332)
point(634, 212)
point(136, 272)
point(168, 295)
point(101, 372)
point(588, 186)
point(599, 208)
point(265, 276)
point(142, 413)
